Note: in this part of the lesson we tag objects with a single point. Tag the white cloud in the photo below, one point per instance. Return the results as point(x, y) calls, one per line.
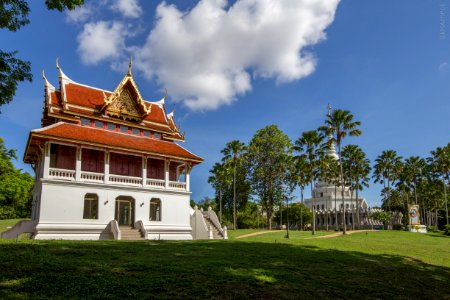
point(101, 40)
point(128, 8)
point(80, 14)
point(443, 66)
point(207, 55)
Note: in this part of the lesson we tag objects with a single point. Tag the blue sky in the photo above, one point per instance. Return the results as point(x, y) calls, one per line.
point(388, 62)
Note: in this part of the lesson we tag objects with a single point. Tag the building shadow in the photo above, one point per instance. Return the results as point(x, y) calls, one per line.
point(211, 269)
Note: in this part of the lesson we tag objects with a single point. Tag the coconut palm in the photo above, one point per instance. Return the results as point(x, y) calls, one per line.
point(219, 179)
point(301, 178)
point(441, 162)
point(414, 170)
point(328, 172)
point(340, 124)
point(310, 144)
point(232, 154)
point(386, 169)
point(358, 169)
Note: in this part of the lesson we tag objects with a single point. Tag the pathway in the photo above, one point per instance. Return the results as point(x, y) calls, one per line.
point(316, 237)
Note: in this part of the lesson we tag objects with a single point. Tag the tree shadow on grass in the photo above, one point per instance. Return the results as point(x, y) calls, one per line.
point(211, 269)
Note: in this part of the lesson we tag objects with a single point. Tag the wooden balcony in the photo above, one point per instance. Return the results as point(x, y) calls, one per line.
point(99, 178)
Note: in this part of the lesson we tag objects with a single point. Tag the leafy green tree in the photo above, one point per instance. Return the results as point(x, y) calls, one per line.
point(440, 161)
point(382, 216)
point(298, 214)
point(14, 15)
point(387, 169)
point(232, 154)
point(310, 145)
point(340, 124)
point(15, 187)
point(269, 162)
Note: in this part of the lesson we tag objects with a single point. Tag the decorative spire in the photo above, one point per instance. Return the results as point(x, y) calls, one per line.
point(129, 66)
point(332, 149)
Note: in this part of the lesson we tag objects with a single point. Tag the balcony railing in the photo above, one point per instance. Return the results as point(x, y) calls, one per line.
point(70, 175)
point(156, 183)
point(125, 180)
point(92, 177)
point(62, 174)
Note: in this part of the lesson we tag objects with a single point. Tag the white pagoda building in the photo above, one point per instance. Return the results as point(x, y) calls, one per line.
point(329, 204)
point(109, 165)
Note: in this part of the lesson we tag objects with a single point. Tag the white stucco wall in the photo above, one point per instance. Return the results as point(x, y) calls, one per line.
point(62, 203)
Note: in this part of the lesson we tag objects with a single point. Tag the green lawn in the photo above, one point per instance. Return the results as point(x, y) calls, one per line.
point(385, 264)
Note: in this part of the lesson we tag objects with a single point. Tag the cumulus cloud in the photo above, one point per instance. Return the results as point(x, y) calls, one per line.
point(128, 8)
point(80, 14)
point(208, 55)
point(101, 40)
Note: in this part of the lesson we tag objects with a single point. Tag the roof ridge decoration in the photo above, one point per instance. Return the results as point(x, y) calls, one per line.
point(162, 101)
point(122, 103)
point(49, 89)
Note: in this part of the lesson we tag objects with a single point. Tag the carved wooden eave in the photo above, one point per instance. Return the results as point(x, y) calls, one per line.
point(126, 101)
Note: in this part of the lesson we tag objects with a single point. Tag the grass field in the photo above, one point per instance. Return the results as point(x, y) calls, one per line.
point(385, 264)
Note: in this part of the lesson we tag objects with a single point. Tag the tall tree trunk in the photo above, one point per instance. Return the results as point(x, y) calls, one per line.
point(336, 224)
point(436, 223)
point(357, 205)
point(313, 209)
point(342, 191)
point(220, 205)
point(234, 197)
point(445, 199)
point(353, 211)
point(301, 209)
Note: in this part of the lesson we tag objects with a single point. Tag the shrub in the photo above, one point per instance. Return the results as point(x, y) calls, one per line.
point(447, 229)
point(398, 227)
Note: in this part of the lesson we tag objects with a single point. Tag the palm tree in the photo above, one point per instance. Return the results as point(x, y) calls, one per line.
point(415, 167)
point(301, 177)
point(310, 145)
point(386, 169)
point(219, 180)
point(441, 162)
point(233, 153)
point(328, 172)
point(340, 123)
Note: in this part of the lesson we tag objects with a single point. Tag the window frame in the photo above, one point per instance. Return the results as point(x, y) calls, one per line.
point(158, 213)
point(93, 201)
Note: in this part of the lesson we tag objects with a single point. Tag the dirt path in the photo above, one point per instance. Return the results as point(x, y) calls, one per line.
point(255, 233)
point(317, 237)
point(337, 234)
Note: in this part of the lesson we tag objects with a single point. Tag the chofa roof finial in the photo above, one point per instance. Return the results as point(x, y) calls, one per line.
point(129, 66)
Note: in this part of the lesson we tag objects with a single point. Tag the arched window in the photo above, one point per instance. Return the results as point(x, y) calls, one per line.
point(155, 209)
point(90, 206)
point(323, 206)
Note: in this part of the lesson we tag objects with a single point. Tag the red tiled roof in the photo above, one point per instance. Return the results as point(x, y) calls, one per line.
point(84, 96)
point(93, 98)
point(102, 137)
point(55, 98)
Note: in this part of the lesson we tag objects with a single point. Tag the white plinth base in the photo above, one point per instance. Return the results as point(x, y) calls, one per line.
point(417, 228)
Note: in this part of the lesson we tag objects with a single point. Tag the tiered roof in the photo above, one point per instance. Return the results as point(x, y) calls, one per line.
point(66, 107)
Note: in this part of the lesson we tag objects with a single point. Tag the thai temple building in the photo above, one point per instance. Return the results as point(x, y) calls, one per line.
point(328, 203)
point(109, 165)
